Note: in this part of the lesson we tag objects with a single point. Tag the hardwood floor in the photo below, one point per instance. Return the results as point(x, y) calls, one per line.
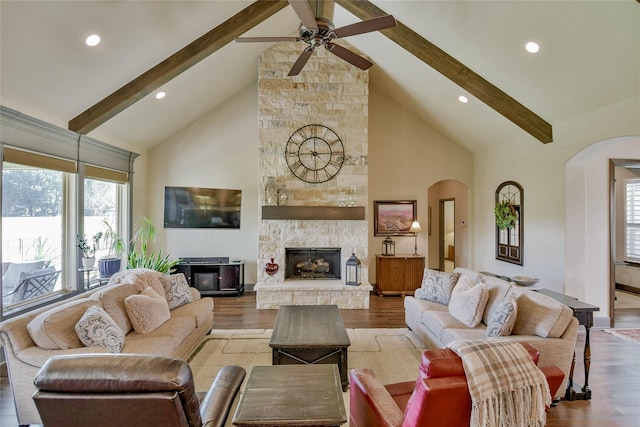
point(614, 376)
point(241, 313)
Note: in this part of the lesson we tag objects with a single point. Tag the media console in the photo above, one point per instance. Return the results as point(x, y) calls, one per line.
point(213, 276)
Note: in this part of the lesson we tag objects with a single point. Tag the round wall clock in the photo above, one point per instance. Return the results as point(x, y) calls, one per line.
point(314, 153)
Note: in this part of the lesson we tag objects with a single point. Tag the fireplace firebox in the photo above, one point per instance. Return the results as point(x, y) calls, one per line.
point(312, 263)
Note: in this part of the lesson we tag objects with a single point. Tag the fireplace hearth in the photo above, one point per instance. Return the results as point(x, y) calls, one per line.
point(312, 264)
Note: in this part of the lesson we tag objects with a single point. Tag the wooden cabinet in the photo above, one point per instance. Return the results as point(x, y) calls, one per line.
point(399, 274)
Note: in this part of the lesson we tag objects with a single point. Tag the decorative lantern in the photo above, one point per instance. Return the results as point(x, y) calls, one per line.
point(352, 269)
point(283, 196)
point(388, 247)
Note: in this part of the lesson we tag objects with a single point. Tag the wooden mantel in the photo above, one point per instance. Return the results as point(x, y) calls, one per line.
point(313, 212)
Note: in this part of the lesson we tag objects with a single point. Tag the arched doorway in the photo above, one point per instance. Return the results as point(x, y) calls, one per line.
point(448, 232)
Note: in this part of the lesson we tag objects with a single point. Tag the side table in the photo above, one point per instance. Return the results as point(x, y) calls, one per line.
point(584, 313)
point(87, 273)
point(87, 278)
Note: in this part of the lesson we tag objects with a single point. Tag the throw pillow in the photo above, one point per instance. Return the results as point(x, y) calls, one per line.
point(437, 286)
point(147, 311)
point(97, 329)
point(150, 280)
point(177, 291)
point(112, 299)
point(468, 301)
point(503, 319)
point(129, 275)
point(53, 329)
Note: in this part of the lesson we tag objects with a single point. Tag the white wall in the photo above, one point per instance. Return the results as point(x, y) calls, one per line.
point(219, 150)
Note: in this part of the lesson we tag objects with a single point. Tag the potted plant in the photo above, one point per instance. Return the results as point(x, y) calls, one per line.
point(88, 249)
point(110, 264)
point(141, 256)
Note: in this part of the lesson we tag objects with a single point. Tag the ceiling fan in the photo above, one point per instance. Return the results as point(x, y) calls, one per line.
point(316, 30)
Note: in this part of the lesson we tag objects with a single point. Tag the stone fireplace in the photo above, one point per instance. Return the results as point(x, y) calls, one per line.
point(332, 93)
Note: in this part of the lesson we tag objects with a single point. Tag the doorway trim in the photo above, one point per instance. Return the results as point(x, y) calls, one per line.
point(442, 233)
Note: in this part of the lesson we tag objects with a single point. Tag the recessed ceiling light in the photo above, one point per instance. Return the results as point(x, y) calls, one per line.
point(161, 95)
point(532, 47)
point(92, 40)
point(463, 99)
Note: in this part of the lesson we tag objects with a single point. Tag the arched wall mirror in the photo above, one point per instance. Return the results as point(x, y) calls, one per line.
point(509, 211)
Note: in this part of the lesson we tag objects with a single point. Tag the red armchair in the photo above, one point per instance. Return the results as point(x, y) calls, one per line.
point(439, 397)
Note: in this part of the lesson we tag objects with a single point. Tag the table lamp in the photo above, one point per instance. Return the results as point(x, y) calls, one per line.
point(415, 229)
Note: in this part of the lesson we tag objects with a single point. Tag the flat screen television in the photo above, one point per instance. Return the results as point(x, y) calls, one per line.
point(192, 207)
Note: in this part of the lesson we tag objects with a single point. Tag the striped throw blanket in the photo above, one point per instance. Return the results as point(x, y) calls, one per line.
point(506, 387)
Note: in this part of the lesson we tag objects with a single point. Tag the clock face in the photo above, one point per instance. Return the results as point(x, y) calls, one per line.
point(314, 153)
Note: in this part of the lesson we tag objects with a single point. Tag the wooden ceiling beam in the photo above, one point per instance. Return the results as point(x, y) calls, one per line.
point(174, 65)
point(456, 71)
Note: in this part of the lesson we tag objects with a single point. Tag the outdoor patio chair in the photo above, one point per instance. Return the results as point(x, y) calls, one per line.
point(32, 284)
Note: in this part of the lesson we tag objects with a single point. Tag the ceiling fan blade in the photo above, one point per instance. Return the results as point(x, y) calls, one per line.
point(375, 24)
point(351, 57)
point(266, 39)
point(300, 62)
point(304, 12)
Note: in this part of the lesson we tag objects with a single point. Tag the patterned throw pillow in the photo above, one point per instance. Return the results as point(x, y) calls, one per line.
point(97, 329)
point(503, 319)
point(177, 291)
point(147, 311)
point(468, 301)
point(437, 286)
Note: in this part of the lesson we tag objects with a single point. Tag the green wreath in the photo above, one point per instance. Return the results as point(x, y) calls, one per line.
point(506, 215)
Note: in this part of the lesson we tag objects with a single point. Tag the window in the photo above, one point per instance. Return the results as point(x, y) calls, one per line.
point(102, 206)
point(632, 219)
point(32, 233)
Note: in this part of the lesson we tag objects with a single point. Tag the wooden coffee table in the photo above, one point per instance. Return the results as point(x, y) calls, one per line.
point(310, 334)
point(291, 396)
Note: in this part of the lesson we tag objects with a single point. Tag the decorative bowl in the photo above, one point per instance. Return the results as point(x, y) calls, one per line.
point(524, 280)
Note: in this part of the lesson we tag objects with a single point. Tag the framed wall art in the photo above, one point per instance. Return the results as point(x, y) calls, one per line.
point(393, 217)
point(192, 207)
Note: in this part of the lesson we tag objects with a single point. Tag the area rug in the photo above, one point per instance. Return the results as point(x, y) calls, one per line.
point(630, 334)
point(393, 354)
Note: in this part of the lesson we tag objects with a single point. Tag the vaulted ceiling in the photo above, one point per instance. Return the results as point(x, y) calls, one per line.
point(589, 59)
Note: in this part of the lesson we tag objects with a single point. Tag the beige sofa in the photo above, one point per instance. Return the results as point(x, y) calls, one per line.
point(53, 327)
point(540, 320)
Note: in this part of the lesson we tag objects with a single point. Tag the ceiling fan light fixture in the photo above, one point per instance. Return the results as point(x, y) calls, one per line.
point(317, 29)
point(532, 47)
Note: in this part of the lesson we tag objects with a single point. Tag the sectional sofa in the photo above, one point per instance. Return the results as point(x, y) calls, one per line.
point(152, 313)
point(486, 307)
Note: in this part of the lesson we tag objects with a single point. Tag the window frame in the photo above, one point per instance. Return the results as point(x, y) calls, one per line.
point(633, 255)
